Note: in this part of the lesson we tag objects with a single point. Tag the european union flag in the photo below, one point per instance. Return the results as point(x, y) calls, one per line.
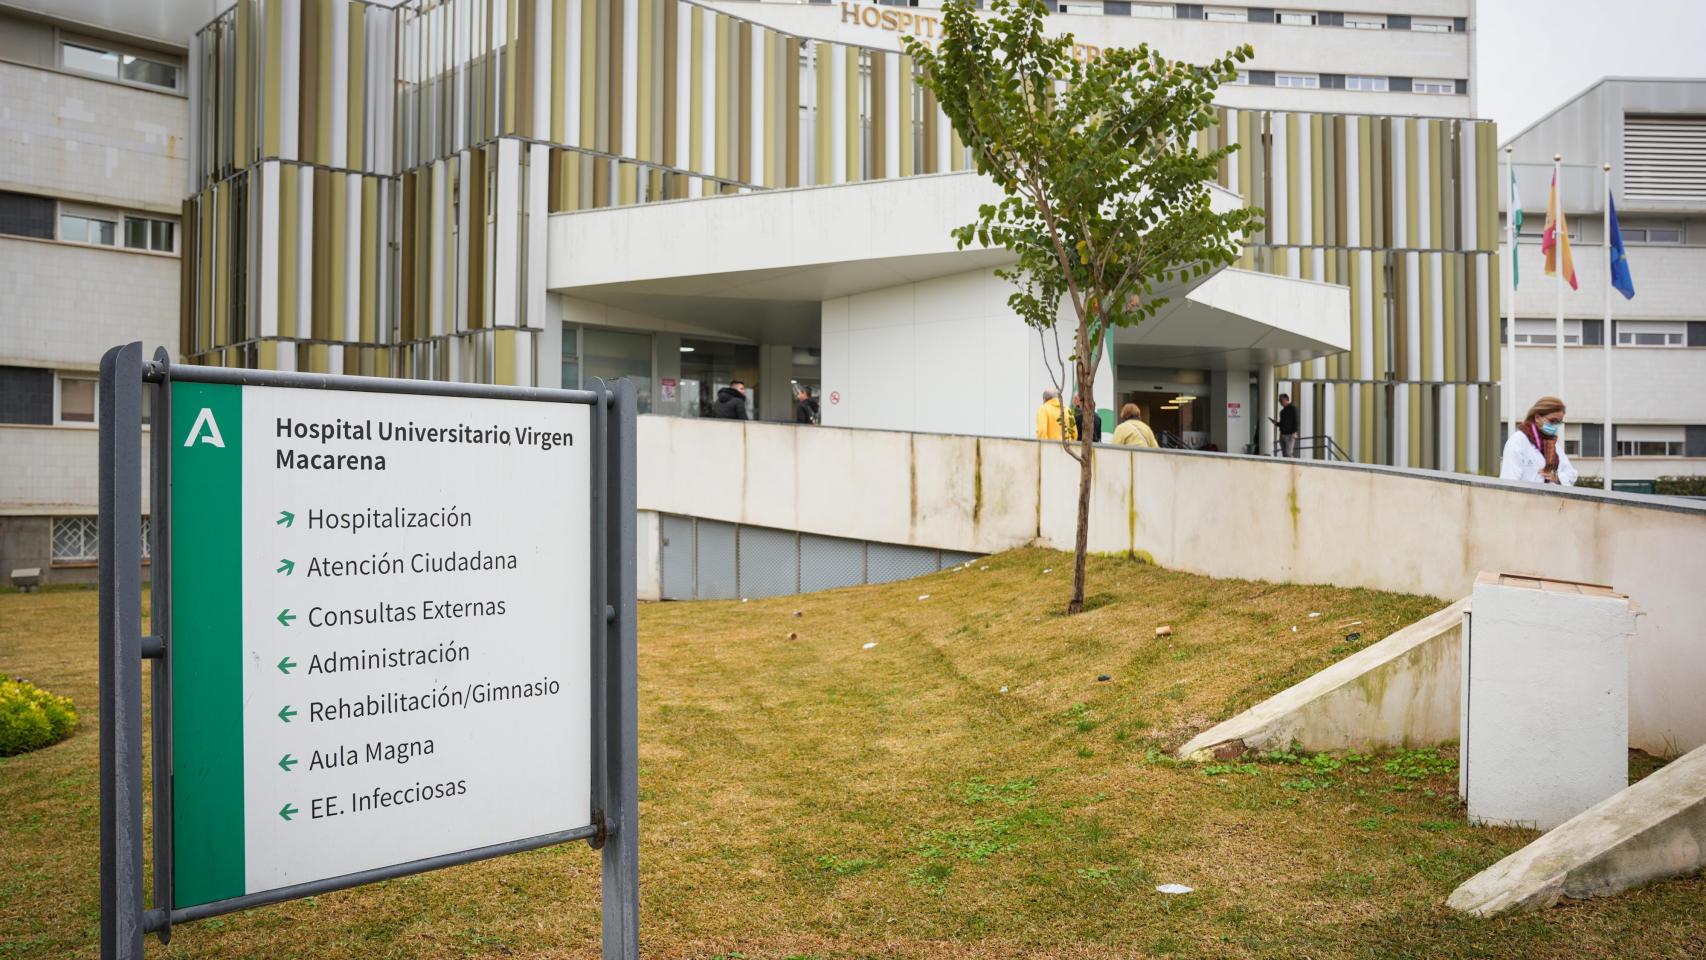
point(1620, 277)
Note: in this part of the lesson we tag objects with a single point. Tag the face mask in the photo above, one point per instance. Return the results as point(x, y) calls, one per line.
point(1551, 429)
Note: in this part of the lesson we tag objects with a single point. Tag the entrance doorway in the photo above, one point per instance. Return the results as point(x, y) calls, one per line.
point(1180, 418)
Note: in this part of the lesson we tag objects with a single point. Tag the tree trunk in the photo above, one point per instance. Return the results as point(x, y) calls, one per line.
point(1086, 431)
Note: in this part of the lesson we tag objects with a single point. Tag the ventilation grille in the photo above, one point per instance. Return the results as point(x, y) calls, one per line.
point(1664, 158)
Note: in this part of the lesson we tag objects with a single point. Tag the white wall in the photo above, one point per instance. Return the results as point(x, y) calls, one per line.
point(1215, 514)
point(940, 356)
point(65, 304)
point(53, 470)
point(77, 138)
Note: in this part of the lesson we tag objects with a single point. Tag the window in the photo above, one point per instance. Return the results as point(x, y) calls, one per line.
point(1354, 82)
point(1153, 11)
point(97, 59)
point(1242, 79)
point(1544, 333)
point(1297, 18)
point(76, 399)
point(22, 215)
point(1365, 21)
point(77, 539)
point(571, 358)
point(146, 233)
point(1632, 333)
point(1227, 14)
point(1308, 80)
point(1652, 234)
point(1430, 25)
point(1435, 87)
point(81, 229)
point(1649, 448)
point(1643, 440)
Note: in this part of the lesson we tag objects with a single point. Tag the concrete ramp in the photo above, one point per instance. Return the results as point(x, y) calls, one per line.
point(1400, 692)
point(1650, 831)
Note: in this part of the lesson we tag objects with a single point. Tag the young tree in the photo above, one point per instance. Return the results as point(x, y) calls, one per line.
point(1107, 193)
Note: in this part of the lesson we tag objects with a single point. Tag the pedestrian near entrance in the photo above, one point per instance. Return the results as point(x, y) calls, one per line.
point(1535, 451)
point(1287, 423)
point(1089, 421)
point(731, 402)
point(1132, 431)
point(805, 408)
point(1052, 423)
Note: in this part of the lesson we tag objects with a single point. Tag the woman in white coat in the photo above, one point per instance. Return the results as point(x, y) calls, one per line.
point(1535, 451)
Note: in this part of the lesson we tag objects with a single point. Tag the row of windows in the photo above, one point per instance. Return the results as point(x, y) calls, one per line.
point(1229, 14)
point(116, 63)
point(78, 539)
point(1534, 228)
point(1630, 333)
point(23, 215)
point(1635, 440)
point(1342, 81)
point(40, 397)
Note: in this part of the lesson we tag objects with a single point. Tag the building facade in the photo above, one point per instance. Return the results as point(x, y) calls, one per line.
point(1653, 134)
point(341, 230)
point(442, 189)
point(93, 131)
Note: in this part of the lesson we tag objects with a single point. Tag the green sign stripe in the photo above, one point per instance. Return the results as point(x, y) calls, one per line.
point(207, 642)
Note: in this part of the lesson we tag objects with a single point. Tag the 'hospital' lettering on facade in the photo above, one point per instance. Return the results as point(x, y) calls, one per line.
point(923, 26)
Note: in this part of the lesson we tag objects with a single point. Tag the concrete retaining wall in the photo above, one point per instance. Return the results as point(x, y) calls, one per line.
point(1402, 691)
point(1216, 514)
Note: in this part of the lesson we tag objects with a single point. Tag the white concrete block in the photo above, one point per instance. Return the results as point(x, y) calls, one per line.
point(1545, 699)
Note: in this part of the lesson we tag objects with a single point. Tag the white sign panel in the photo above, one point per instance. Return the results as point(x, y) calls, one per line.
point(414, 629)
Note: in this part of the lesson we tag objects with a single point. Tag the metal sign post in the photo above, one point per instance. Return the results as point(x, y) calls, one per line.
point(363, 658)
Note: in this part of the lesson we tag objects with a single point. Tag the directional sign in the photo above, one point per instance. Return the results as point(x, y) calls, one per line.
point(380, 635)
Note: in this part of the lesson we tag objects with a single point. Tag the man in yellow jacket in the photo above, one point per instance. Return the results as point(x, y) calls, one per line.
point(1052, 423)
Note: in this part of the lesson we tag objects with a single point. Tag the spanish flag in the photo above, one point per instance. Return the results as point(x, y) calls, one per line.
point(1556, 237)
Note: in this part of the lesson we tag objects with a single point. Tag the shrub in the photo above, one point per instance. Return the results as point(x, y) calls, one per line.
point(1590, 483)
point(32, 718)
point(1680, 486)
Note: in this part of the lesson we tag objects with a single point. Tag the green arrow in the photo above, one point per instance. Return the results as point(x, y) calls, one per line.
point(286, 762)
point(286, 567)
point(285, 519)
point(285, 665)
point(285, 713)
point(285, 616)
point(287, 811)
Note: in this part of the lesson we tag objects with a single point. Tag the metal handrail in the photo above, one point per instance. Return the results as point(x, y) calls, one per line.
point(1322, 444)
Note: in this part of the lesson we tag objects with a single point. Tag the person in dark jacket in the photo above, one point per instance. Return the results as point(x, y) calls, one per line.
point(1287, 424)
point(805, 408)
point(731, 402)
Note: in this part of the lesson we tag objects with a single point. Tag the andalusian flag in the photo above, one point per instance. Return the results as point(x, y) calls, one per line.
point(1516, 228)
point(1557, 237)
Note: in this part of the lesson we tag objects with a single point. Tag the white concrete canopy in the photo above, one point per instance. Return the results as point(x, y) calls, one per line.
point(753, 263)
point(1239, 320)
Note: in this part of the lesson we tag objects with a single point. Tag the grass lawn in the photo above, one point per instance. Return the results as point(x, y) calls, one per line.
point(965, 788)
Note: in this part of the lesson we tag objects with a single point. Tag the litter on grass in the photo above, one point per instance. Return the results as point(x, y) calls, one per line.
point(1163, 631)
point(869, 645)
point(1172, 888)
point(924, 596)
point(1048, 569)
point(1313, 614)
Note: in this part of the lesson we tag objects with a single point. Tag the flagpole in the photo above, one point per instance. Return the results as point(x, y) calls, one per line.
point(1558, 198)
point(1606, 438)
point(1510, 288)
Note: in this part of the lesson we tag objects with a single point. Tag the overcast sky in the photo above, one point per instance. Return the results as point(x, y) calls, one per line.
point(1534, 54)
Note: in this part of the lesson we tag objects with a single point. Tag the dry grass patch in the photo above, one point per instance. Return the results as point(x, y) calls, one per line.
point(809, 797)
